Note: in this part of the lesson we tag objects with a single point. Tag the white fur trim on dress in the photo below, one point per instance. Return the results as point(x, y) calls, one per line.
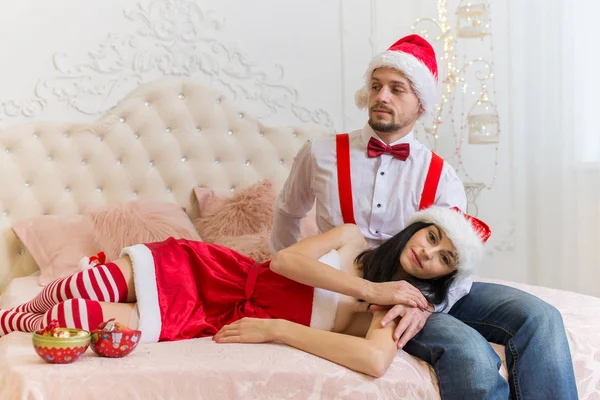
point(324, 307)
point(423, 82)
point(464, 237)
point(144, 278)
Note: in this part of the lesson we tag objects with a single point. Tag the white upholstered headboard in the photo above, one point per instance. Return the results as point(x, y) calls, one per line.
point(162, 140)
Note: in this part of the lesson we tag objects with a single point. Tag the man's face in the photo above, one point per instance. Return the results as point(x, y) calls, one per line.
point(393, 104)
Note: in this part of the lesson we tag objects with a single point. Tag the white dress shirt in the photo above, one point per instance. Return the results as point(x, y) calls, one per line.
point(385, 192)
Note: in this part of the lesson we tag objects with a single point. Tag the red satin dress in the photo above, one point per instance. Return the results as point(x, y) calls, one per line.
point(188, 289)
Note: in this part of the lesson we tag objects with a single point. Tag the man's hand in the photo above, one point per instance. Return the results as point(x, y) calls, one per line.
point(393, 293)
point(412, 321)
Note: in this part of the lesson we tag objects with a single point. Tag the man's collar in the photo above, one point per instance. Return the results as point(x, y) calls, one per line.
point(368, 132)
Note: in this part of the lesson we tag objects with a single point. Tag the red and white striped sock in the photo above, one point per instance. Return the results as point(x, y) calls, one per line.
point(103, 282)
point(13, 321)
point(75, 313)
point(72, 313)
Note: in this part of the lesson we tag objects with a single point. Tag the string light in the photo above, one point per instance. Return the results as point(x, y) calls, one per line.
point(477, 24)
point(484, 96)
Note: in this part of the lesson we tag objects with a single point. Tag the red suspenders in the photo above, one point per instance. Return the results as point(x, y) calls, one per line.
point(431, 181)
point(342, 147)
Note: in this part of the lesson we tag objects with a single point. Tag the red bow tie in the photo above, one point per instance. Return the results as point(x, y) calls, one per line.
point(375, 148)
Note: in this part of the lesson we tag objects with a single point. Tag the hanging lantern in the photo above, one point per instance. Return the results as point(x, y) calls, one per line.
point(483, 123)
point(472, 190)
point(472, 19)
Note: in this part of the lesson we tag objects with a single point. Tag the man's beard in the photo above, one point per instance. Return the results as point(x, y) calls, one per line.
point(384, 127)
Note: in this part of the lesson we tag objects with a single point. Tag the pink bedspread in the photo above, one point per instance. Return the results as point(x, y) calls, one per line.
point(201, 369)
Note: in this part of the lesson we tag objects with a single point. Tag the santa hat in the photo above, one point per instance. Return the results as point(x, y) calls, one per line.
point(414, 57)
point(467, 233)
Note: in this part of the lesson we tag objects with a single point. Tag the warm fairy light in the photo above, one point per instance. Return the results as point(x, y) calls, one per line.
point(455, 89)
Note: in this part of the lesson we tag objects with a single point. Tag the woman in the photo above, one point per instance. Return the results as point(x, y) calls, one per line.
point(313, 295)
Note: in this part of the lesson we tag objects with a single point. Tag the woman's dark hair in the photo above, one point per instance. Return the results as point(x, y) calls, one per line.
point(381, 265)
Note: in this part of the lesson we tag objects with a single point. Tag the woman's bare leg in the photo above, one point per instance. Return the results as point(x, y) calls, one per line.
point(125, 313)
point(124, 264)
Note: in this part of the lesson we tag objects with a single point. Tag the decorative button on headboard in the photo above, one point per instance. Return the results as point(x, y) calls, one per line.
point(158, 143)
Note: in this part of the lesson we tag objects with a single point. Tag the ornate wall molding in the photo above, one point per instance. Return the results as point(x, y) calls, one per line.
point(174, 38)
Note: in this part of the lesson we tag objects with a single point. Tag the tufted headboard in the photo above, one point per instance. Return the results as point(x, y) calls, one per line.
point(162, 140)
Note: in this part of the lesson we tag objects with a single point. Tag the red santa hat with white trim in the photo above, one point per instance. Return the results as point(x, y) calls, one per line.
point(415, 58)
point(467, 233)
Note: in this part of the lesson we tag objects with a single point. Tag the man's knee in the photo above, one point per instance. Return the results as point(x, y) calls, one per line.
point(547, 314)
point(545, 325)
point(535, 312)
point(518, 307)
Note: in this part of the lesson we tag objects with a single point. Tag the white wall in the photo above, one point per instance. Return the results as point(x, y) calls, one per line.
point(289, 62)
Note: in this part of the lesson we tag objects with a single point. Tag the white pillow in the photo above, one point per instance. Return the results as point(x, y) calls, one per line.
point(20, 290)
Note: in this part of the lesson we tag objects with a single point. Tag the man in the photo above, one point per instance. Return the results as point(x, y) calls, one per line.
point(377, 177)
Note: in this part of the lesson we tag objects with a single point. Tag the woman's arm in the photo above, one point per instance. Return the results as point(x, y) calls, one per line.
point(299, 262)
point(371, 355)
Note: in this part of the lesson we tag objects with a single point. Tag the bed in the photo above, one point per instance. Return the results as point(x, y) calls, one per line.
point(159, 143)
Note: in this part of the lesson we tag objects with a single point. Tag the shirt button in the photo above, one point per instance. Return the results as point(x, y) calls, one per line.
point(378, 205)
point(382, 173)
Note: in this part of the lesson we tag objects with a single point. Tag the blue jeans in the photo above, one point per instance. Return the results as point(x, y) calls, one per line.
point(537, 354)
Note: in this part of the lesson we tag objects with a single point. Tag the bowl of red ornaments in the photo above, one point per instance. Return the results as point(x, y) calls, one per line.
point(114, 340)
point(57, 345)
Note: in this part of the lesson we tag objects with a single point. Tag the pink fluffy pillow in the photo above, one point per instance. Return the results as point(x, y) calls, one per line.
point(57, 243)
point(253, 245)
point(248, 211)
point(132, 223)
point(243, 221)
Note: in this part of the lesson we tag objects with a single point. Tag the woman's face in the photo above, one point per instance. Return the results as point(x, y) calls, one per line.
point(429, 254)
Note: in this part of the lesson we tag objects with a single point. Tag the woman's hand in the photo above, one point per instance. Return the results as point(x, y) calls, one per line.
point(248, 330)
point(394, 293)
